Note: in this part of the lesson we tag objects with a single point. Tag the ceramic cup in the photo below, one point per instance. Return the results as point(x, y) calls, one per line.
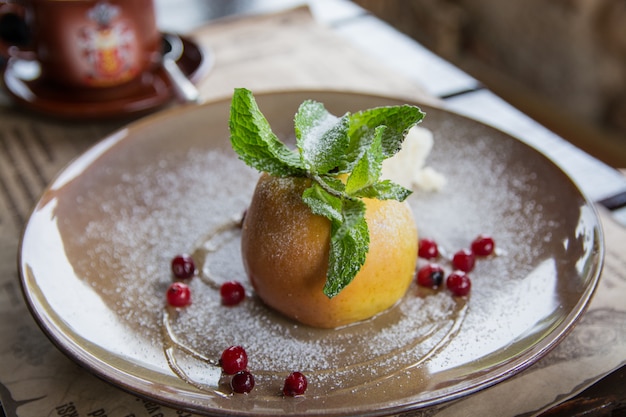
point(83, 43)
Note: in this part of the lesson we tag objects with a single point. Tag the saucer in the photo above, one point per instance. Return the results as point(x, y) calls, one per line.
point(152, 90)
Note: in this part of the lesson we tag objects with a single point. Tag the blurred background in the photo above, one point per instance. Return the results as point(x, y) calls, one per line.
point(562, 62)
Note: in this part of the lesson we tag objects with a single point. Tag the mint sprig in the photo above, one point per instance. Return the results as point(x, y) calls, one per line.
point(329, 148)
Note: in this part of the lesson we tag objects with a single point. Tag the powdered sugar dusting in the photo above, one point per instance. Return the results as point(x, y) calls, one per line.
point(313, 147)
point(145, 219)
point(123, 222)
point(173, 206)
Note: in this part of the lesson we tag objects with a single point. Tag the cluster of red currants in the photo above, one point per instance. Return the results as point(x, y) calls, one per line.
point(458, 281)
point(234, 361)
point(179, 295)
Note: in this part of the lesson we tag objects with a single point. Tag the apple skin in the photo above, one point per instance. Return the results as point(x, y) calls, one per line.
point(285, 252)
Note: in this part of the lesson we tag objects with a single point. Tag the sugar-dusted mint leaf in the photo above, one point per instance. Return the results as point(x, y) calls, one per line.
point(252, 138)
point(363, 124)
point(384, 190)
point(349, 241)
point(342, 157)
point(349, 244)
point(321, 137)
point(367, 170)
point(352, 215)
point(323, 203)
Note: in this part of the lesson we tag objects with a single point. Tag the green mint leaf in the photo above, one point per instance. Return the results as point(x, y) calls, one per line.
point(321, 137)
point(398, 119)
point(349, 235)
point(322, 203)
point(329, 147)
point(349, 244)
point(367, 170)
point(253, 140)
point(384, 190)
point(352, 215)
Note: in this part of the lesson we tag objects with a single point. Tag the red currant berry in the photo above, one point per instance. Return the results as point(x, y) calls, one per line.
point(295, 384)
point(483, 245)
point(464, 260)
point(427, 249)
point(242, 382)
point(183, 266)
point(234, 359)
point(178, 295)
point(430, 276)
point(232, 293)
point(459, 283)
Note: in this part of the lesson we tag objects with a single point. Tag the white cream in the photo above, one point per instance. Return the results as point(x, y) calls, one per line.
point(407, 167)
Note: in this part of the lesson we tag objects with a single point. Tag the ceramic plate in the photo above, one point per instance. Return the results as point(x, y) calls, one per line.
point(95, 262)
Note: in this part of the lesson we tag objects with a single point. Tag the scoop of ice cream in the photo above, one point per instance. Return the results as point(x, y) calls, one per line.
point(408, 167)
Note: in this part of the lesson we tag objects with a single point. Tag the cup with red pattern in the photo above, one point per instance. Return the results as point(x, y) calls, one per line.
point(82, 44)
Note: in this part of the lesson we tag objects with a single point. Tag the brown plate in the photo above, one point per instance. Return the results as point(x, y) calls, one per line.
point(151, 91)
point(95, 256)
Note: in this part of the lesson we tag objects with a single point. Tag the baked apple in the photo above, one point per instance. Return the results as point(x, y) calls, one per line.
point(285, 250)
point(325, 240)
